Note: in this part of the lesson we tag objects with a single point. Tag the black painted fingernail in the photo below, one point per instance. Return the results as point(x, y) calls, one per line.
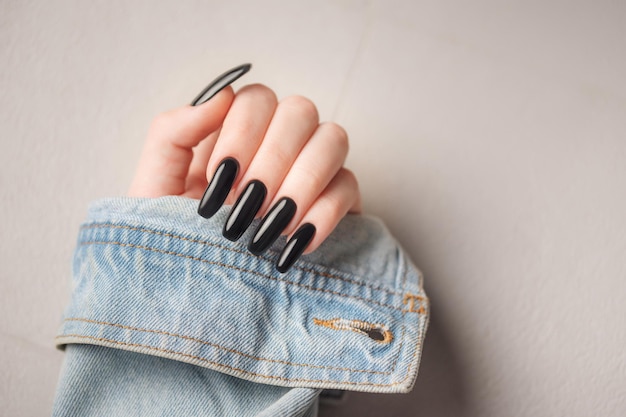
point(219, 187)
point(244, 210)
point(294, 248)
point(219, 83)
point(272, 225)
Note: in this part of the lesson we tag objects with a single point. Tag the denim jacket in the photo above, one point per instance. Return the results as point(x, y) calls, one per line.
point(169, 318)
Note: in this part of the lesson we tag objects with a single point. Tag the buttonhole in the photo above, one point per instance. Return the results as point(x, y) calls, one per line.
point(377, 332)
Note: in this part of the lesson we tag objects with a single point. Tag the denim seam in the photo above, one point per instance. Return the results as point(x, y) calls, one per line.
point(115, 342)
point(204, 342)
point(202, 242)
point(402, 288)
point(239, 269)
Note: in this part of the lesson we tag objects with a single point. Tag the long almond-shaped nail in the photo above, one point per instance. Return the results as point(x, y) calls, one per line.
point(272, 225)
point(295, 246)
point(219, 187)
point(244, 210)
point(219, 83)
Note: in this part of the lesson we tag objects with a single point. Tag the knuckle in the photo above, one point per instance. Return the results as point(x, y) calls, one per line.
point(302, 105)
point(349, 177)
point(351, 184)
point(333, 207)
point(280, 157)
point(260, 92)
point(309, 178)
point(161, 121)
point(338, 136)
point(245, 128)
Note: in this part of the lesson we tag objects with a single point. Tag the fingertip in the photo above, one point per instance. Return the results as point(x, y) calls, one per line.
point(295, 247)
point(220, 83)
point(220, 103)
point(316, 241)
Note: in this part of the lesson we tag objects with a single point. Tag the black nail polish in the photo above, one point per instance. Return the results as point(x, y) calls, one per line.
point(219, 83)
point(219, 187)
point(272, 225)
point(294, 248)
point(244, 210)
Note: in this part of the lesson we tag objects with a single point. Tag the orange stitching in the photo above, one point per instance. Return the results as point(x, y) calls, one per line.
point(193, 339)
point(327, 275)
point(155, 232)
point(220, 365)
point(410, 300)
point(239, 269)
point(357, 326)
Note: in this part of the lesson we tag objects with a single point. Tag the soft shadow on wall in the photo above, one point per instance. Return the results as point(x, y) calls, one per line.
point(439, 391)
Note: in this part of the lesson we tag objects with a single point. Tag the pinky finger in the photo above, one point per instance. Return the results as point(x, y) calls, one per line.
point(340, 197)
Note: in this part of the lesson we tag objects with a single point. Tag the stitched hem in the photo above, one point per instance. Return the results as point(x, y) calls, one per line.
point(230, 350)
point(396, 386)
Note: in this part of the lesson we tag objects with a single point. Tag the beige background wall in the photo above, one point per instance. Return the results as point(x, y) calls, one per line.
point(490, 135)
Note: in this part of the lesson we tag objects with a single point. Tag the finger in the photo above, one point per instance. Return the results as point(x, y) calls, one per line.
point(196, 177)
point(240, 136)
point(291, 127)
point(340, 197)
point(167, 152)
point(316, 165)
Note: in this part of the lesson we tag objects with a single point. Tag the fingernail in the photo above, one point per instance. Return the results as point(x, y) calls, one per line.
point(219, 83)
point(272, 225)
point(294, 248)
point(244, 210)
point(219, 187)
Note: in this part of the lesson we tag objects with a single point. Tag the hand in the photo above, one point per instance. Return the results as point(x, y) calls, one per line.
point(269, 158)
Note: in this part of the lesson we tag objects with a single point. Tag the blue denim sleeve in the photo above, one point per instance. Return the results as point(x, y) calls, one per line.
point(169, 318)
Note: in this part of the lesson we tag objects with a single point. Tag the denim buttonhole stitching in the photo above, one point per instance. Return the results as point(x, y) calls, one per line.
point(377, 332)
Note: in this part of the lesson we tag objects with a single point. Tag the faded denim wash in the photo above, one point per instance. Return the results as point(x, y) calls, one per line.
point(167, 317)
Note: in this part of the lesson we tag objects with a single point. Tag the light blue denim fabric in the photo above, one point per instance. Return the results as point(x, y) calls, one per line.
point(200, 326)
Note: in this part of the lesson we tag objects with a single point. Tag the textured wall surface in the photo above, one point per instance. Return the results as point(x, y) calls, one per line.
point(490, 136)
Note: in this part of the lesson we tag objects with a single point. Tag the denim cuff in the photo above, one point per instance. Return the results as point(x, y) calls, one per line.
point(151, 276)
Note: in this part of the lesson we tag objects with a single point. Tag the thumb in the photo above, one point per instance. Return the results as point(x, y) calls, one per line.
point(167, 152)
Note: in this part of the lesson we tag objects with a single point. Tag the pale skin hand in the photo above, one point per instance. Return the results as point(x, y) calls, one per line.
point(281, 144)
